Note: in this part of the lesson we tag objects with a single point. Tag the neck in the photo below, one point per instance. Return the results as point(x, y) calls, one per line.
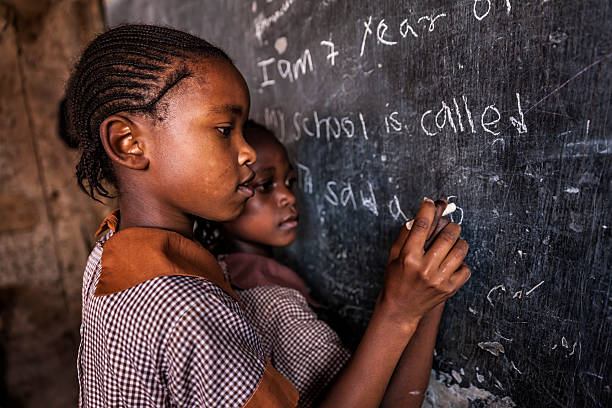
point(238, 245)
point(137, 212)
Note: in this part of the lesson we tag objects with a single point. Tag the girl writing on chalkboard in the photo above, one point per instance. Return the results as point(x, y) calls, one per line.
point(276, 300)
point(158, 115)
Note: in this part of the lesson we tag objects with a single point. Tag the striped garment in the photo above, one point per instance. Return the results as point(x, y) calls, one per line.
point(170, 339)
point(300, 346)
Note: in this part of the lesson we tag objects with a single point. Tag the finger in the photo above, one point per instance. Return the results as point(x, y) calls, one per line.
point(440, 207)
point(458, 279)
point(420, 228)
point(398, 244)
point(443, 222)
point(454, 259)
point(442, 245)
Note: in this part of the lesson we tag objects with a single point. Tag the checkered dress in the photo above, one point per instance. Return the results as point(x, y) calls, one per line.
point(301, 347)
point(172, 341)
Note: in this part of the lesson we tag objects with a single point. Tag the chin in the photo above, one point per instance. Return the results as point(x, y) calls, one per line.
point(226, 217)
point(284, 241)
point(237, 213)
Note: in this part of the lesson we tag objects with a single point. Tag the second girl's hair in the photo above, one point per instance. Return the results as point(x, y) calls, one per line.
point(128, 68)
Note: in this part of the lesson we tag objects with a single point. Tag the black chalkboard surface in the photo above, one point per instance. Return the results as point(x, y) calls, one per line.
point(503, 106)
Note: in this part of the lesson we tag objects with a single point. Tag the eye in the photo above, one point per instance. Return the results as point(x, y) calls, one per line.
point(265, 186)
point(290, 182)
point(225, 130)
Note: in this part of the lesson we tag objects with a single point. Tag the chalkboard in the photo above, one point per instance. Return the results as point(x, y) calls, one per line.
point(503, 106)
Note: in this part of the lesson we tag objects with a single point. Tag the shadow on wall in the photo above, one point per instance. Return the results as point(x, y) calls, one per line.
point(46, 222)
point(38, 350)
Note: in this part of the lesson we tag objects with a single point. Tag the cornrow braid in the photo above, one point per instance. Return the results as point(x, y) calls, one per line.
point(126, 69)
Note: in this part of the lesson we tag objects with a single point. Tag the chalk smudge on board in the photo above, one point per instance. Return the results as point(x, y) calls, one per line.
point(280, 45)
point(572, 190)
point(262, 23)
point(493, 290)
point(530, 291)
point(516, 368)
point(582, 71)
point(493, 347)
point(443, 388)
point(456, 376)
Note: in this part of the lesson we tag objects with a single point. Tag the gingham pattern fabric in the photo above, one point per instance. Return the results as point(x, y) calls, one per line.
point(173, 341)
point(301, 347)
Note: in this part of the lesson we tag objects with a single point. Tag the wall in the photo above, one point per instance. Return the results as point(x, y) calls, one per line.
point(46, 223)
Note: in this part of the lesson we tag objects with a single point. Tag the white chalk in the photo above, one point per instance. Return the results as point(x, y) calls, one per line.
point(450, 208)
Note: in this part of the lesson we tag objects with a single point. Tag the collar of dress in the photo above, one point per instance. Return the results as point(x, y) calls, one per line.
point(136, 255)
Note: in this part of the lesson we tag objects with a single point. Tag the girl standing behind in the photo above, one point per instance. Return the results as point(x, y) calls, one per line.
point(276, 300)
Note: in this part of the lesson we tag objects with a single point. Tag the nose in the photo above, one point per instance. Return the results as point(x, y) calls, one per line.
point(285, 196)
point(246, 154)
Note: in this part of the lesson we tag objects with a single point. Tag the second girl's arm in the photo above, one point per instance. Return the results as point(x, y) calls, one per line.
point(411, 377)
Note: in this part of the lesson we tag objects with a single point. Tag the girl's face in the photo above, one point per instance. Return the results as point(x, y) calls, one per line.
point(270, 218)
point(200, 160)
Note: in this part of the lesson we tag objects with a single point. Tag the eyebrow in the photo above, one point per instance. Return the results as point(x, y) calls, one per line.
point(235, 109)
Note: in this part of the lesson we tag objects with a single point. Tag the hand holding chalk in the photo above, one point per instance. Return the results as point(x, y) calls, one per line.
point(418, 277)
point(450, 208)
point(442, 209)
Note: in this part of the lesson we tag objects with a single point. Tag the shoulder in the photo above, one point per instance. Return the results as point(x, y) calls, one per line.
point(169, 308)
point(278, 312)
point(209, 345)
point(303, 348)
point(193, 293)
point(190, 310)
point(194, 304)
point(275, 304)
point(275, 296)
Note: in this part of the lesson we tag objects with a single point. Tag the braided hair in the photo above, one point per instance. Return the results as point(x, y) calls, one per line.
point(128, 68)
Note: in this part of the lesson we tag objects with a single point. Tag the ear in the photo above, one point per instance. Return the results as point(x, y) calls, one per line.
point(123, 142)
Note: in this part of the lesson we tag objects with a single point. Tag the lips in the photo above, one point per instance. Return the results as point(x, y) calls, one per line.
point(289, 222)
point(244, 188)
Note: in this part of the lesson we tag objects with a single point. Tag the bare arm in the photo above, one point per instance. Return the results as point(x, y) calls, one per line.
point(411, 377)
point(415, 282)
point(363, 381)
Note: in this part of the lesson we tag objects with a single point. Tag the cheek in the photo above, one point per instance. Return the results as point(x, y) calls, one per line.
point(246, 227)
point(218, 176)
point(216, 191)
point(255, 208)
point(258, 216)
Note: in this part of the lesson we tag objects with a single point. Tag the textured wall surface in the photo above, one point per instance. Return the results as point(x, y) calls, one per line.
point(46, 222)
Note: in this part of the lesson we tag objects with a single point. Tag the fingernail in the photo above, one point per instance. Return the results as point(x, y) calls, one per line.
point(428, 200)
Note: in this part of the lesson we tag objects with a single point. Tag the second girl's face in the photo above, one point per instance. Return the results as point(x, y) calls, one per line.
point(270, 217)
